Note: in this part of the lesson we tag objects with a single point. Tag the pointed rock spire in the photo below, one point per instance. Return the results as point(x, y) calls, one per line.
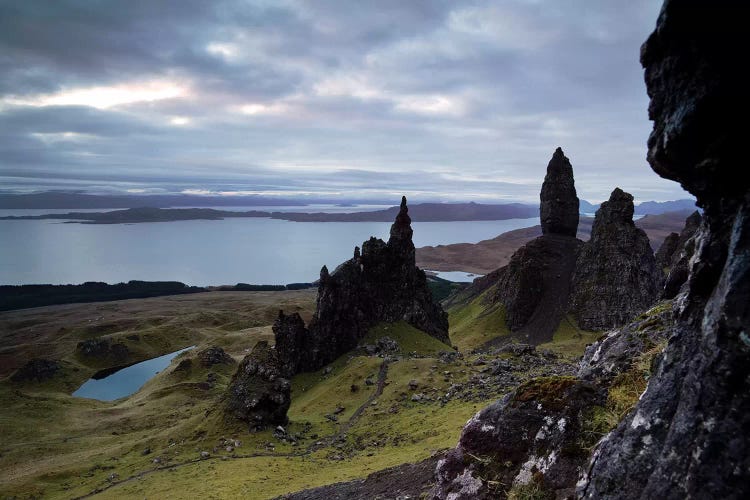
point(401, 230)
point(558, 208)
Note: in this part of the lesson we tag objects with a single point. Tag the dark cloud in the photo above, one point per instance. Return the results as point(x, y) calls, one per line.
point(445, 99)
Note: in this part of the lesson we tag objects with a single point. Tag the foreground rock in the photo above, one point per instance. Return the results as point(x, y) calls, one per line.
point(537, 438)
point(258, 394)
point(380, 284)
point(616, 276)
point(687, 436)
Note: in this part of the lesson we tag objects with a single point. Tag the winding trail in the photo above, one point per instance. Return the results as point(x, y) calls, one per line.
point(319, 444)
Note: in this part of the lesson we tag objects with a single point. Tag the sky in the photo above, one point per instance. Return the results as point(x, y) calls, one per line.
point(440, 100)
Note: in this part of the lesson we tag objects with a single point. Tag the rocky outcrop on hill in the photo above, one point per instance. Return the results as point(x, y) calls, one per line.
point(616, 276)
point(535, 285)
point(379, 284)
point(258, 394)
point(687, 436)
point(103, 349)
point(214, 356)
point(558, 207)
point(666, 251)
point(684, 248)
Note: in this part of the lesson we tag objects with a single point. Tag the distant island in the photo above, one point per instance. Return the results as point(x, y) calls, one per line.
point(425, 212)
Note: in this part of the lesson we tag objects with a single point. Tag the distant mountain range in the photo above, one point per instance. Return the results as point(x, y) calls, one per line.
point(144, 208)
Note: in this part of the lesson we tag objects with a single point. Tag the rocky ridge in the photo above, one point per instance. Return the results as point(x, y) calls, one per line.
point(379, 284)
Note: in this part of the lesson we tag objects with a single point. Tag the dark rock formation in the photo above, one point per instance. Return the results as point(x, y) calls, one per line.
point(258, 394)
point(535, 285)
point(678, 266)
point(379, 284)
point(214, 356)
point(558, 208)
point(666, 251)
point(37, 369)
point(687, 437)
point(616, 275)
point(103, 349)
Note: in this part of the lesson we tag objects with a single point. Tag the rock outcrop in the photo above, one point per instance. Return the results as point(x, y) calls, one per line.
point(684, 248)
point(538, 436)
point(687, 436)
point(558, 207)
point(103, 349)
point(666, 251)
point(258, 394)
point(535, 285)
point(214, 356)
point(616, 276)
point(379, 284)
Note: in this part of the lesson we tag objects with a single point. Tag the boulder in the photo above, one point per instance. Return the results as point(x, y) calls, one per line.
point(616, 276)
point(214, 356)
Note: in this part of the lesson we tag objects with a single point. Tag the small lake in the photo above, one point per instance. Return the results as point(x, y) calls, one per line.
point(126, 381)
point(204, 253)
point(457, 276)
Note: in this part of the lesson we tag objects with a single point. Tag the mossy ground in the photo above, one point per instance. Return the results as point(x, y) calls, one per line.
point(57, 446)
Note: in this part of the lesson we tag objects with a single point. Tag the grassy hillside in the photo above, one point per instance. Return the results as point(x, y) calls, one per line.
point(357, 415)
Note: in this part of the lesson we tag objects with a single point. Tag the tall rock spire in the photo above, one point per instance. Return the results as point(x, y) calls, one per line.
point(401, 230)
point(558, 208)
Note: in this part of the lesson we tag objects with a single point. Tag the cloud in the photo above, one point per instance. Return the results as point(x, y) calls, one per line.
point(444, 99)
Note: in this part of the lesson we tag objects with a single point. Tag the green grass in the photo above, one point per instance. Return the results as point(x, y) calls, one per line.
point(477, 322)
point(569, 341)
point(408, 338)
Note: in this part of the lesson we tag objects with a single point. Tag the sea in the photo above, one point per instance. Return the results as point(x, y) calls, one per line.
point(207, 253)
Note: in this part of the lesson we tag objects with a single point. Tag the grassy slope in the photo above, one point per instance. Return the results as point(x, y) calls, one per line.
point(477, 322)
point(61, 447)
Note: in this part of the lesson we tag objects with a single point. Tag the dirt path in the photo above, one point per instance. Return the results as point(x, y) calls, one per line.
point(319, 444)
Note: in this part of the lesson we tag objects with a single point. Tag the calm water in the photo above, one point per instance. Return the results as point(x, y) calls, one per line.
point(259, 251)
point(126, 381)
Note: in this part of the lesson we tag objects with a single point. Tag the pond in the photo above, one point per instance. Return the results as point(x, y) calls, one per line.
point(108, 386)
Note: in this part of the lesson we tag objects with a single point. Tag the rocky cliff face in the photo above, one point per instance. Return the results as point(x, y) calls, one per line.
point(683, 251)
point(558, 207)
point(258, 394)
point(535, 285)
point(379, 284)
point(666, 251)
point(616, 275)
point(687, 436)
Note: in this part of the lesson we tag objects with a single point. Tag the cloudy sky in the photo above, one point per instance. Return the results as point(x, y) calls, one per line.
point(441, 100)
